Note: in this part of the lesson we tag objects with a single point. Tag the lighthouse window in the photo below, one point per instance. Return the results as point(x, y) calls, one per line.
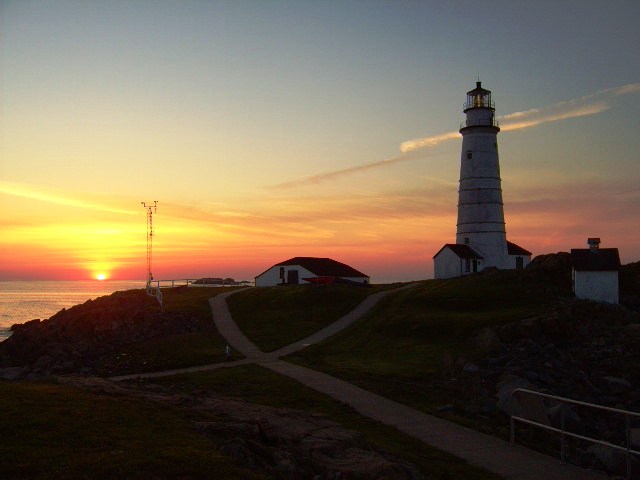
point(469, 154)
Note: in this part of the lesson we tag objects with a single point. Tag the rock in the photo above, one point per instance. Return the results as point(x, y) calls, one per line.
point(43, 362)
point(470, 368)
point(632, 331)
point(505, 391)
point(551, 262)
point(634, 436)
point(616, 385)
point(445, 408)
point(572, 421)
point(248, 453)
point(612, 460)
point(286, 443)
point(488, 341)
point(12, 373)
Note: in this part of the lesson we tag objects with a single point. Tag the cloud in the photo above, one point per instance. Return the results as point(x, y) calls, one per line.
point(35, 193)
point(591, 104)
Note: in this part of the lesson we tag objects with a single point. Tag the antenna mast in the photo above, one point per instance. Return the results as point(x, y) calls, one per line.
point(151, 209)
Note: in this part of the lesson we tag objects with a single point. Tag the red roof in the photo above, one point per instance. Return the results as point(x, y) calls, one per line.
point(323, 267)
point(513, 249)
point(463, 250)
point(596, 260)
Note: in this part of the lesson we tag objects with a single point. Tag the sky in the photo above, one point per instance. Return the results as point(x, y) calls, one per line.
point(273, 129)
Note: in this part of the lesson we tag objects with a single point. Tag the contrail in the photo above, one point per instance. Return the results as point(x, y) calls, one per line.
point(578, 107)
point(323, 177)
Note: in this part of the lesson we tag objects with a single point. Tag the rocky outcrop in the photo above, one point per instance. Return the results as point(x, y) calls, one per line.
point(288, 443)
point(581, 350)
point(74, 340)
point(552, 263)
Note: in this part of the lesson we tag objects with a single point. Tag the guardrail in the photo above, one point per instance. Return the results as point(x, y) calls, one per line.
point(173, 282)
point(177, 282)
point(154, 292)
point(564, 433)
point(480, 123)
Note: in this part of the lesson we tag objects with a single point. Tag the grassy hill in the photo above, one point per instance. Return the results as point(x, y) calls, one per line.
point(278, 316)
point(412, 347)
point(412, 344)
point(261, 386)
point(56, 431)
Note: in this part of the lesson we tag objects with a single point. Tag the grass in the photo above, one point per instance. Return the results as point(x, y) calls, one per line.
point(201, 347)
point(413, 342)
point(258, 385)
point(56, 431)
point(278, 316)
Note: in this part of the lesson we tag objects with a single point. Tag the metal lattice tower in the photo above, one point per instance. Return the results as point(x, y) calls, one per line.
point(151, 209)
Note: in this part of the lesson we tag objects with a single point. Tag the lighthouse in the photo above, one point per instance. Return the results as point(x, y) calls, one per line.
point(481, 239)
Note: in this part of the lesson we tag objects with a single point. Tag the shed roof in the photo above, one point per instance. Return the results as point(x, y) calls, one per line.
point(513, 249)
point(595, 260)
point(462, 250)
point(325, 267)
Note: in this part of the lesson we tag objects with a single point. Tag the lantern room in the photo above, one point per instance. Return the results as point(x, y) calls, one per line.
point(478, 98)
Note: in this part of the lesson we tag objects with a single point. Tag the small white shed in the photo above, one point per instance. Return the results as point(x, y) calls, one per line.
point(595, 272)
point(310, 270)
point(456, 260)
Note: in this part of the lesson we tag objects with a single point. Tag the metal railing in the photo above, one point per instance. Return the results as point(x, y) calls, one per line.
point(177, 282)
point(480, 123)
point(154, 292)
point(482, 102)
point(564, 433)
point(173, 282)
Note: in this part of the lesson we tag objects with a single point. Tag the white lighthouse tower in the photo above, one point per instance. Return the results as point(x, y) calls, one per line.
point(481, 240)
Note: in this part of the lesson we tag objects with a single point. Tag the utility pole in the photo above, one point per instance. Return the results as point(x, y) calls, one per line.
point(151, 209)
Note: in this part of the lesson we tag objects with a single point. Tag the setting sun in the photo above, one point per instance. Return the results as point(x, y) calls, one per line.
point(101, 276)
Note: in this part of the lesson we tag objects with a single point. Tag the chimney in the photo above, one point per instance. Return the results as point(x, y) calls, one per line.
point(594, 244)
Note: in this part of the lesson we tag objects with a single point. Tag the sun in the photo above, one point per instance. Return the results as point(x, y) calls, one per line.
point(101, 276)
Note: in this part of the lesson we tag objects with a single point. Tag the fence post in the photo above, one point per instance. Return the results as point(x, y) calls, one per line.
point(627, 416)
point(562, 441)
point(512, 423)
point(512, 434)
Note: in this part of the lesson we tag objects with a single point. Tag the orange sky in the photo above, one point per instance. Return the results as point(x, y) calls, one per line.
point(268, 131)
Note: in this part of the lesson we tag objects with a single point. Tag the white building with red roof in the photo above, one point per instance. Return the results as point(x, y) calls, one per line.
point(311, 270)
point(595, 272)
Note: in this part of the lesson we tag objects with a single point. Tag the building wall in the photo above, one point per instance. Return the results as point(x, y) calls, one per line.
point(271, 277)
point(513, 262)
point(598, 286)
point(447, 264)
point(480, 207)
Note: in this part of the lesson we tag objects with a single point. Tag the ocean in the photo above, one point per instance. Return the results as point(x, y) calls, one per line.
point(21, 301)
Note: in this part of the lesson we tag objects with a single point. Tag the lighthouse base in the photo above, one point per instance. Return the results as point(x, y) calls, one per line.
point(457, 260)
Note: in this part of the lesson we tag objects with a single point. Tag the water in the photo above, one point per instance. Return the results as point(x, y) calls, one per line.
point(21, 301)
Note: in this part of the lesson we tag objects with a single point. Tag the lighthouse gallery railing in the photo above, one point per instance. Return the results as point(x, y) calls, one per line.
point(480, 122)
